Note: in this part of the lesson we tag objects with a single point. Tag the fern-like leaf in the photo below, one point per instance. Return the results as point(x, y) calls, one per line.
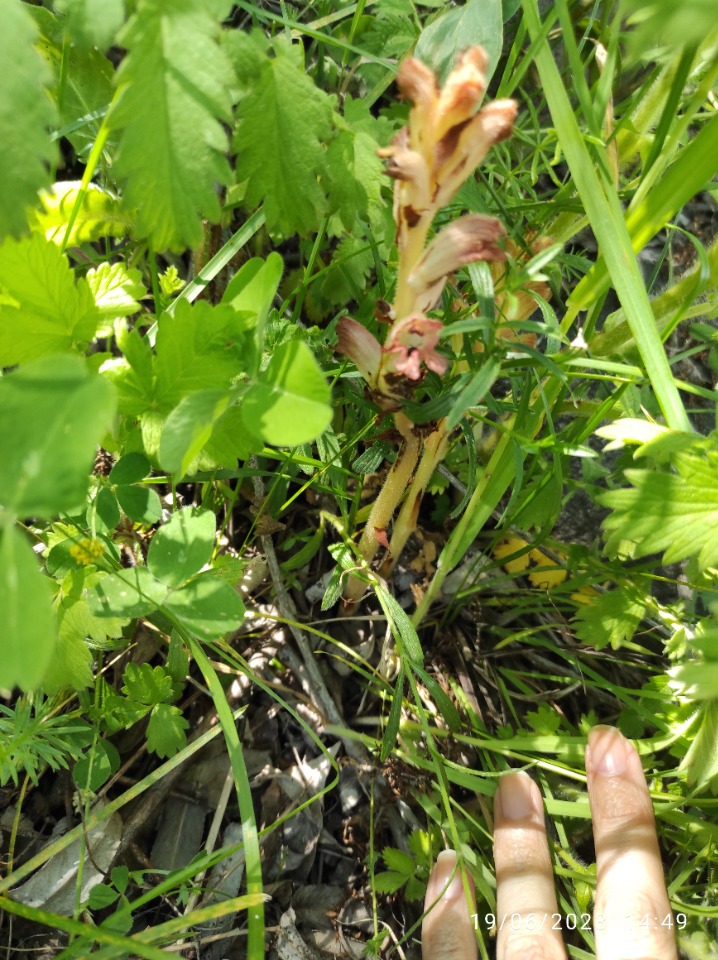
point(173, 94)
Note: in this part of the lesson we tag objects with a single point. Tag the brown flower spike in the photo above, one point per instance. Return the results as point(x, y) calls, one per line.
point(447, 136)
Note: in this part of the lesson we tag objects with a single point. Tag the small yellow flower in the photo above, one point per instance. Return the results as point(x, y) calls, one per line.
point(87, 550)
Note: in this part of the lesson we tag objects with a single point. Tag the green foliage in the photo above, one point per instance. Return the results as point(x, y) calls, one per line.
point(173, 95)
point(33, 737)
point(673, 509)
point(25, 114)
point(611, 618)
point(44, 309)
point(284, 121)
point(478, 21)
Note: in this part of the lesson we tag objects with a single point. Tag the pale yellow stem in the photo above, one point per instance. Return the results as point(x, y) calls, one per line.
point(411, 249)
point(435, 449)
point(394, 488)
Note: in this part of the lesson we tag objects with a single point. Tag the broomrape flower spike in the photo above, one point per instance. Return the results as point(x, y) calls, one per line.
point(448, 134)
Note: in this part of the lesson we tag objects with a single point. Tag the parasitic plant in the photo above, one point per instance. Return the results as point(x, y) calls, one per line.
point(446, 138)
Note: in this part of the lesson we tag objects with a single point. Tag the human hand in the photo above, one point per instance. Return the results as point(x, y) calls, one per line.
point(631, 899)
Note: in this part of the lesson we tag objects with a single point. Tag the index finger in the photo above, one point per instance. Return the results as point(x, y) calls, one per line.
point(632, 918)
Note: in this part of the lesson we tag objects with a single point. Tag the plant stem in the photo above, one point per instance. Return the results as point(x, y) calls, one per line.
point(396, 483)
point(434, 452)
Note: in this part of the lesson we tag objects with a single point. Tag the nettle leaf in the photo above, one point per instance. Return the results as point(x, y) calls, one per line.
point(182, 546)
point(477, 22)
point(146, 684)
point(92, 23)
point(166, 730)
point(53, 413)
point(676, 512)
point(288, 404)
point(26, 113)
point(43, 310)
point(29, 630)
point(284, 120)
point(207, 606)
point(701, 760)
point(172, 100)
point(100, 214)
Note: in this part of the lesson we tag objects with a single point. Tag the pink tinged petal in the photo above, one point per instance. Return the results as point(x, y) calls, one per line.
point(361, 346)
point(465, 146)
point(412, 341)
point(466, 240)
point(463, 90)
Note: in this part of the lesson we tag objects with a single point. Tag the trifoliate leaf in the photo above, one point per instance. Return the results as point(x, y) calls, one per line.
point(173, 97)
point(289, 402)
point(675, 512)
point(26, 112)
point(92, 23)
point(131, 468)
point(284, 121)
point(207, 606)
point(146, 684)
point(140, 504)
point(166, 730)
point(100, 214)
point(610, 618)
point(42, 309)
point(188, 429)
point(182, 546)
point(127, 593)
point(117, 290)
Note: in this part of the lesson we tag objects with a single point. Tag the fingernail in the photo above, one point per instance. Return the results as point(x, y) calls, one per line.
point(606, 754)
point(445, 866)
point(516, 795)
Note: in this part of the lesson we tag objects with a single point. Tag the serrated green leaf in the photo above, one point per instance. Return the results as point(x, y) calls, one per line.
point(697, 680)
point(26, 113)
point(52, 416)
point(101, 895)
point(173, 94)
point(207, 606)
point(289, 402)
point(100, 214)
point(117, 291)
point(128, 593)
point(398, 861)
point(355, 173)
point(389, 882)
point(477, 22)
point(43, 310)
point(611, 618)
point(29, 630)
point(284, 121)
point(166, 730)
point(146, 684)
point(182, 546)
point(92, 23)
point(675, 512)
point(200, 347)
point(701, 761)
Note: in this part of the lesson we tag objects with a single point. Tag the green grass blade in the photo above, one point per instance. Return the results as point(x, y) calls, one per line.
point(603, 207)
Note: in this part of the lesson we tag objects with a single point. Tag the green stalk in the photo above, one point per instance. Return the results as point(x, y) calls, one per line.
point(603, 207)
